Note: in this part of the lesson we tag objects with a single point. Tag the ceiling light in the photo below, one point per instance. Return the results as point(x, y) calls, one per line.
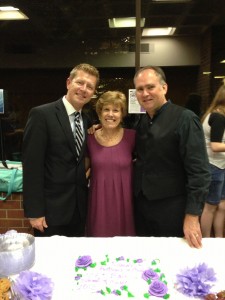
point(124, 22)
point(171, 1)
point(222, 61)
point(11, 13)
point(206, 73)
point(8, 8)
point(158, 31)
point(219, 76)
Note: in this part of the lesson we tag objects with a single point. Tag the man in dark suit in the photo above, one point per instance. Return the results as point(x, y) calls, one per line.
point(171, 175)
point(54, 182)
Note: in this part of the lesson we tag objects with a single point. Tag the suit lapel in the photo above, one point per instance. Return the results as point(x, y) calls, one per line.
point(63, 118)
point(66, 127)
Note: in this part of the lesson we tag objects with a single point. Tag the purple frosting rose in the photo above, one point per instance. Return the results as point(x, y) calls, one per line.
point(120, 258)
point(157, 288)
point(83, 261)
point(150, 274)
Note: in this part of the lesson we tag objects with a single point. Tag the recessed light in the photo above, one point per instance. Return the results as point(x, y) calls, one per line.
point(8, 8)
point(219, 76)
point(11, 13)
point(124, 22)
point(158, 31)
point(171, 1)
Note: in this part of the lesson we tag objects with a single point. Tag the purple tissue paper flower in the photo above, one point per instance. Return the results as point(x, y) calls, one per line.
point(83, 261)
point(158, 288)
point(196, 281)
point(34, 286)
point(150, 274)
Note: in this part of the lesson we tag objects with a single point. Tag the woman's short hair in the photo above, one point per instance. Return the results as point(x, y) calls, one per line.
point(114, 98)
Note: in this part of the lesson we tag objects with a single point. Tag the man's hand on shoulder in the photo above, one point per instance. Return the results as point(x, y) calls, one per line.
point(93, 128)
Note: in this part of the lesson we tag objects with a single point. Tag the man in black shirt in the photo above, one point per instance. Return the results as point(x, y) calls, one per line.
point(171, 171)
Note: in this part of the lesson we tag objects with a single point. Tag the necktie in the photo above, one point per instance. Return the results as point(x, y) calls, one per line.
point(78, 133)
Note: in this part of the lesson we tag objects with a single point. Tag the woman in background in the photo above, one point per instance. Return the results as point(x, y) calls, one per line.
point(110, 150)
point(212, 218)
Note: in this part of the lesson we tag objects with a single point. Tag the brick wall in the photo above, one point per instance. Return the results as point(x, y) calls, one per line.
point(212, 52)
point(12, 216)
point(218, 54)
point(205, 81)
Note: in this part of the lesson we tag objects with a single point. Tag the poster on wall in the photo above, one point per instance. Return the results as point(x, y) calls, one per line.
point(133, 105)
point(1, 101)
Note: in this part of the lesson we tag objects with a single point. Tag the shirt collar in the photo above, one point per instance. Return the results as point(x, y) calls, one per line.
point(163, 107)
point(69, 107)
point(160, 109)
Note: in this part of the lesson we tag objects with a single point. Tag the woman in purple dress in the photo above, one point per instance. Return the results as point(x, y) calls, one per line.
point(110, 157)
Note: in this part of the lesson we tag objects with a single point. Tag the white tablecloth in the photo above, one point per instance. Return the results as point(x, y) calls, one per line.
point(56, 256)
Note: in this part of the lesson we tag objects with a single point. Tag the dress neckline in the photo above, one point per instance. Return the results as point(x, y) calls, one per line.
point(111, 143)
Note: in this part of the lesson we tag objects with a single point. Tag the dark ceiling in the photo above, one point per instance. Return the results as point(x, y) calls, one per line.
point(85, 22)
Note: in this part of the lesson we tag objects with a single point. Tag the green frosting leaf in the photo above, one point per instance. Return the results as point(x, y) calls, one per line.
point(93, 265)
point(102, 292)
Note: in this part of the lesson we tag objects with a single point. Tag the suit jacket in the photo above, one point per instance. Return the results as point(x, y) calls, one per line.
point(54, 181)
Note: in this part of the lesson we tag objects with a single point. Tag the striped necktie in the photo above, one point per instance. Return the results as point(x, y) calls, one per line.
point(78, 133)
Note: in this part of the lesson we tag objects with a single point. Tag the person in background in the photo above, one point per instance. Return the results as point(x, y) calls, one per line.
point(171, 174)
point(54, 184)
point(212, 220)
point(110, 211)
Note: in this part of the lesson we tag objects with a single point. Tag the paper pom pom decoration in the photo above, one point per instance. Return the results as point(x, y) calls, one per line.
point(33, 286)
point(196, 282)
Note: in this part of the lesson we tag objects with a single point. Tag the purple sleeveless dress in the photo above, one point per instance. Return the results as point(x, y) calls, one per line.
point(110, 210)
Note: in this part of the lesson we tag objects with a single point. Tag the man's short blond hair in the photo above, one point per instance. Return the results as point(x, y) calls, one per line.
point(87, 69)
